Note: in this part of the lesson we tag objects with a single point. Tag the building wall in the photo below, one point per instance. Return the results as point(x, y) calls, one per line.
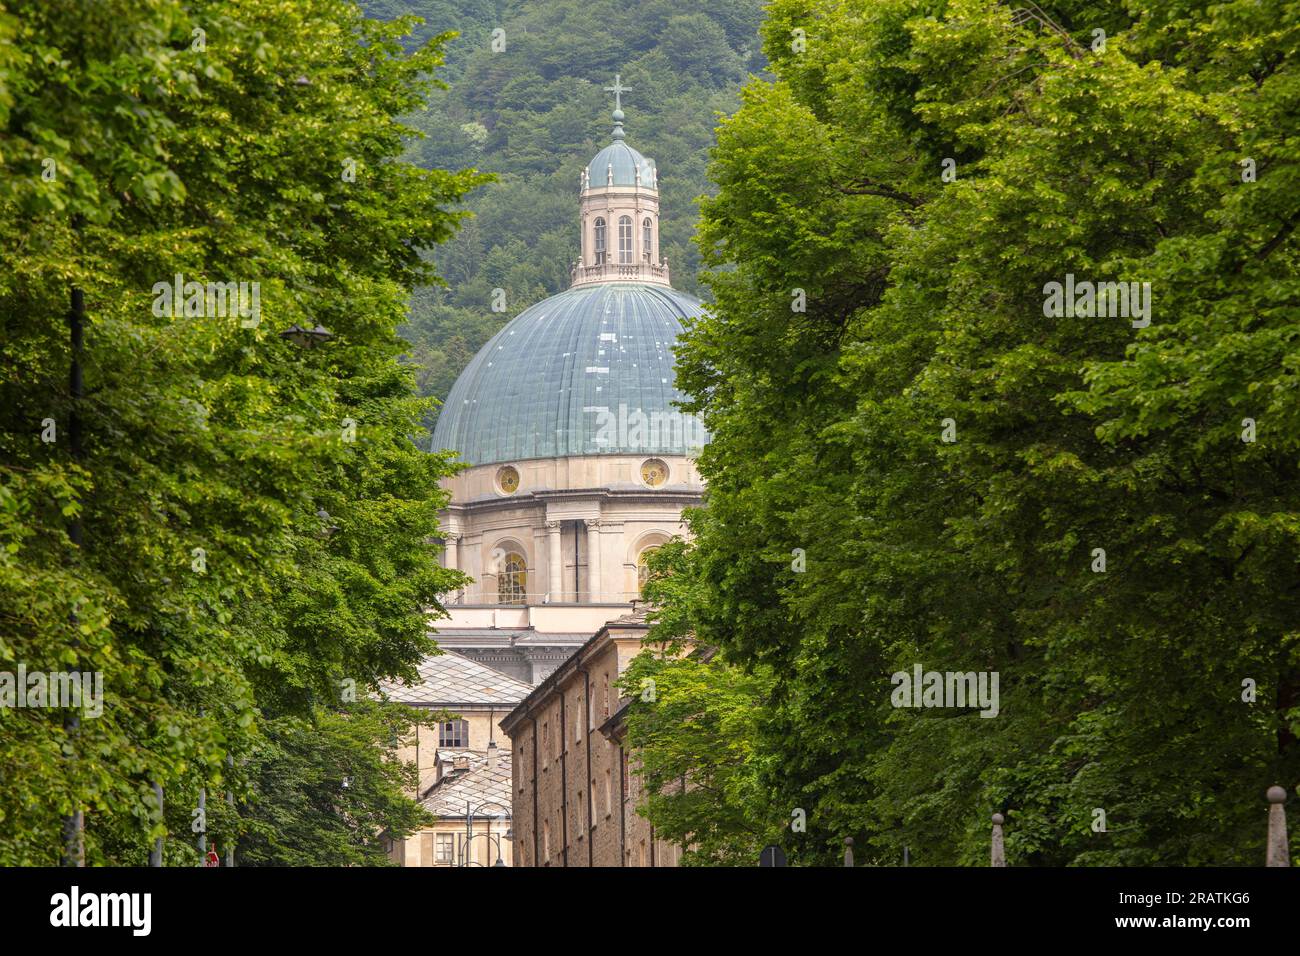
point(610, 203)
point(598, 504)
point(575, 473)
point(584, 812)
point(421, 747)
point(421, 849)
point(642, 846)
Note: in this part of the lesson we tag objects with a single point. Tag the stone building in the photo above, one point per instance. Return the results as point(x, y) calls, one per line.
point(471, 800)
point(463, 764)
point(574, 791)
point(580, 464)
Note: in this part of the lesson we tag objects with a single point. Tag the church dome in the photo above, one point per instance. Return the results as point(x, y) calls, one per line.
point(565, 376)
point(623, 161)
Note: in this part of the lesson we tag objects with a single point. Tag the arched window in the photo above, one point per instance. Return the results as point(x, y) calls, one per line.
point(512, 580)
point(600, 241)
point(642, 569)
point(625, 240)
point(645, 239)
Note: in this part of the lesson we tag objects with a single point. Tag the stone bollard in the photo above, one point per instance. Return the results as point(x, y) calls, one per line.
point(1278, 853)
point(848, 851)
point(999, 856)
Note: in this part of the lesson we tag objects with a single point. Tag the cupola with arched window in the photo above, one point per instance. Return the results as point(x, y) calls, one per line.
point(619, 209)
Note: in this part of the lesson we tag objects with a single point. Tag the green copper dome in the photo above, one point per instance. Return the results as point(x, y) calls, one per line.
point(559, 377)
point(625, 161)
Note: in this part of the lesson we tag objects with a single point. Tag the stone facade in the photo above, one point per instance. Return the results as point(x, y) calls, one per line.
point(580, 461)
point(581, 524)
point(470, 800)
point(463, 764)
point(580, 464)
point(573, 792)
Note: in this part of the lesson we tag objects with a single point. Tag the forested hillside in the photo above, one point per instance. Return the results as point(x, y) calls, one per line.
point(533, 114)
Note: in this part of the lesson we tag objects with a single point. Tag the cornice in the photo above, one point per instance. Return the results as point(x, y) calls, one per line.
point(540, 498)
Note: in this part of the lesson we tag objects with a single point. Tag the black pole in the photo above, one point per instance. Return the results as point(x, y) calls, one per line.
point(156, 854)
point(74, 823)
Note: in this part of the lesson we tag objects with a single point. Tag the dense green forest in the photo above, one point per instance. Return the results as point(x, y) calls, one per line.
point(231, 530)
point(917, 460)
point(533, 114)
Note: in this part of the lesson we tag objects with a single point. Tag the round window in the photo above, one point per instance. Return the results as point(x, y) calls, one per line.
point(654, 472)
point(508, 480)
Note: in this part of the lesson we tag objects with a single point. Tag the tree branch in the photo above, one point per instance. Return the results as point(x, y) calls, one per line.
point(865, 187)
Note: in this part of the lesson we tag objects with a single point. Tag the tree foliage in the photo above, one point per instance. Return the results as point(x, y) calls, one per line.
point(923, 467)
point(326, 790)
point(244, 530)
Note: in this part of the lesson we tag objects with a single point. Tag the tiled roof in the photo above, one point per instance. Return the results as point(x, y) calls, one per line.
point(448, 678)
point(475, 786)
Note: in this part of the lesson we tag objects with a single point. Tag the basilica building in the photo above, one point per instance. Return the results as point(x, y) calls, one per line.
point(579, 467)
point(580, 464)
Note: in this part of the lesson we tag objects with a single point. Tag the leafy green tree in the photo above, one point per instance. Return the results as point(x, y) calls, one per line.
point(699, 767)
point(229, 529)
point(329, 790)
point(913, 463)
point(695, 725)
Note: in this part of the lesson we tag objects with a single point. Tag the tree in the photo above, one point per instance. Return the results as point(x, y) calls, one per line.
point(243, 529)
point(694, 726)
point(329, 790)
point(912, 462)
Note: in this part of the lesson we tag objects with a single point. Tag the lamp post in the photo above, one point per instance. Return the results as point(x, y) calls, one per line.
point(492, 839)
point(469, 830)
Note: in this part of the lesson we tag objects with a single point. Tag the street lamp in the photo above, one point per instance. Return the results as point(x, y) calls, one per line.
point(463, 857)
point(306, 338)
point(508, 835)
point(469, 830)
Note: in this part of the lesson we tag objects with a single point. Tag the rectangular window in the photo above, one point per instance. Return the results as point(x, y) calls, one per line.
point(453, 733)
point(445, 852)
point(609, 793)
